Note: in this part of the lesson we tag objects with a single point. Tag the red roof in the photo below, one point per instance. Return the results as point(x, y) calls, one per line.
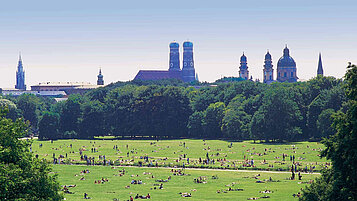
point(157, 75)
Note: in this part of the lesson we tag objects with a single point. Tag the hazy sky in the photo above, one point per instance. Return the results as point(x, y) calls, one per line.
point(70, 40)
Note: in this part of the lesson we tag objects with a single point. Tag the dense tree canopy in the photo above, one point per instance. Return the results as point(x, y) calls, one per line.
point(340, 182)
point(22, 176)
point(229, 108)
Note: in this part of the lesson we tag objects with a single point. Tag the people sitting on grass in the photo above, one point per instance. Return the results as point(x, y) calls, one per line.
point(186, 194)
point(142, 196)
point(266, 191)
point(200, 180)
point(235, 189)
point(101, 181)
point(134, 181)
point(297, 195)
point(162, 180)
point(86, 196)
point(85, 171)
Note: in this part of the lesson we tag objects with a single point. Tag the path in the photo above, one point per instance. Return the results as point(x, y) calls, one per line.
point(205, 169)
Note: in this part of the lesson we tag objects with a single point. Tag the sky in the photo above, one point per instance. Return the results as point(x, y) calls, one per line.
point(65, 40)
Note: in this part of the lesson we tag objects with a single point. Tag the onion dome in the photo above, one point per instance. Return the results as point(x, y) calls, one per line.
point(243, 58)
point(174, 45)
point(268, 56)
point(100, 74)
point(286, 60)
point(187, 44)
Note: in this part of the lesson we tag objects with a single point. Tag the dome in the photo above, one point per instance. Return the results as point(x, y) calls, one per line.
point(187, 44)
point(267, 56)
point(243, 58)
point(174, 45)
point(286, 60)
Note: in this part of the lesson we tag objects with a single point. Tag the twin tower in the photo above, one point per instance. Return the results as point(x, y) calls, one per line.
point(186, 74)
point(188, 70)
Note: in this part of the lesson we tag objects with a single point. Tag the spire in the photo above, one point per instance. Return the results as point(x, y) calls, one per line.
point(100, 80)
point(320, 70)
point(286, 51)
point(20, 75)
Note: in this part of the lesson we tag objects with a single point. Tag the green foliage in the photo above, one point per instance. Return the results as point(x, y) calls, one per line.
point(171, 108)
point(341, 182)
point(324, 123)
point(22, 177)
point(212, 121)
point(30, 108)
point(278, 116)
point(92, 121)
point(48, 126)
point(13, 112)
point(70, 113)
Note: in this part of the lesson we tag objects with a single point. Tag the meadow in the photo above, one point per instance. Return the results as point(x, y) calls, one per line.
point(155, 162)
point(215, 186)
point(188, 153)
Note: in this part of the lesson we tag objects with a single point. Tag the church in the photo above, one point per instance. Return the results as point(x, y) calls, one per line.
point(186, 74)
point(286, 68)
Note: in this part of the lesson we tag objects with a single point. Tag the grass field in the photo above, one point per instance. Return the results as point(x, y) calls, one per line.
point(178, 152)
point(117, 186)
point(228, 157)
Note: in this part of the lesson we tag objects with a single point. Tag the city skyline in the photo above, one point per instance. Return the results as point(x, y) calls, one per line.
point(71, 42)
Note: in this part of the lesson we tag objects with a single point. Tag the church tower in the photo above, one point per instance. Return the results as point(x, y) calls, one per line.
point(174, 57)
point(243, 69)
point(20, 76)
point(188, 69)
point(286, 68)
point(268, 71)
point(100, 80)
point(320, 70)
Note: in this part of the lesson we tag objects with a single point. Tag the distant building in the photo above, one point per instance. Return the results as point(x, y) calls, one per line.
point(286, 68)
point(187, 74)
point(268, 72)
point(243, 68)
point(188, 68)
point(320, 70)
point(16, 92)
point(100, 80)
point(20, 76)
point(174, 63)
point(67, 87)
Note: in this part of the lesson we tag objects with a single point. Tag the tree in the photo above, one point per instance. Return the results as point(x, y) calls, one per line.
point(235, 123)
point(48, 126)
point(92, 121)
point(70, 114)
point(176, 108)
point(13, 112)
point(278, 117)
point(340, 182)
point(324, 123)
point(22, 177)
point(194, 125)
point(212, 121)
point(29, 105)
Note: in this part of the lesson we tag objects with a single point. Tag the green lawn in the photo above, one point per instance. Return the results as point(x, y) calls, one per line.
point(172, 152)
point(116, 187)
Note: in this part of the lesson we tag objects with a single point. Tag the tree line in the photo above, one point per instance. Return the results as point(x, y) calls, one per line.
point(236, 110)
